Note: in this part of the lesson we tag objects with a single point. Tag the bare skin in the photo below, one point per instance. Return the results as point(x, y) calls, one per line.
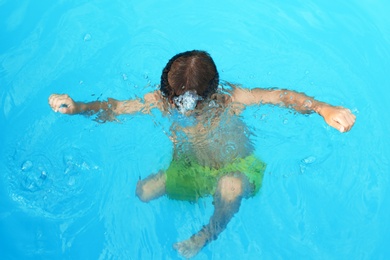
point(227, 199)
point(152, 187)
point(337, 117)
point(231, 188)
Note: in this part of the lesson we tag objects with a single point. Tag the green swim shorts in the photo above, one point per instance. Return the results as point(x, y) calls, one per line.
point(187, 180)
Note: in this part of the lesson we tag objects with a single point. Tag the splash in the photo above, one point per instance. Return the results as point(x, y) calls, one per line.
point(187, 101)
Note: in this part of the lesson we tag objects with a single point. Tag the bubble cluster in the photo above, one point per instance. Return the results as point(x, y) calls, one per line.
point(187, 101)
point(306, 162)
point(54, 188)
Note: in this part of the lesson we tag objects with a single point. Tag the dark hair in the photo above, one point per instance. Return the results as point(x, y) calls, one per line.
point(190, 70)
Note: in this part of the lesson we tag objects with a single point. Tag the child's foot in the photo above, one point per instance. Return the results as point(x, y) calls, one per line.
point(190, 247)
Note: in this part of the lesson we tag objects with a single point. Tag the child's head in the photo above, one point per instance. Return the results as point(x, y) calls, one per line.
point(189, 71)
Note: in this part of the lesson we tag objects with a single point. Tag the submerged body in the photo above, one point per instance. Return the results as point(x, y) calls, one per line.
point(212, 153)
point(215, 138)
point(216, 144)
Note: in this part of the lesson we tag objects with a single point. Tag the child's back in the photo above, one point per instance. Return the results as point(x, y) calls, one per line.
point(217, 138)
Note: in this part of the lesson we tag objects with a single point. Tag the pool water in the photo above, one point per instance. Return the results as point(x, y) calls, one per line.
point(67, 183)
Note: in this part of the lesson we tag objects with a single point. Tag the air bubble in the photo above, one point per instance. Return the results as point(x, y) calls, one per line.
point(87, 37)
point(213, 104)
point(228, 151)
point(71, 181)
point(26, 166)
point(308, 104)
point(85, 166)
point(309, 160)
point(43, 175)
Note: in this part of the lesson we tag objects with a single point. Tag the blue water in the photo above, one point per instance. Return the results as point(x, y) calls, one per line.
point(67, 182)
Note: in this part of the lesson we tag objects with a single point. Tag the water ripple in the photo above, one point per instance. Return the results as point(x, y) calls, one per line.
point(43, 185)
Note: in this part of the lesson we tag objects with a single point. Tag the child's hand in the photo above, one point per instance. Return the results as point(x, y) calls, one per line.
point(338, 117)
point(63, 104)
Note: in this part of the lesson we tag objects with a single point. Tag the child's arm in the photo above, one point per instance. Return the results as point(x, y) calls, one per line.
point(338, 117)
point(64, 104)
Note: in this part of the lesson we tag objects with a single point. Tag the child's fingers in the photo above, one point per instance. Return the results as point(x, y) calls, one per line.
point(64, 110)
point(60, 103)
point(342, 119)
point(339, 126)
point(53, 102)
point(348, 119)
point(343, 123)
point(345, 116)
point(57, 103)
point(336, 123)
point(351, 119)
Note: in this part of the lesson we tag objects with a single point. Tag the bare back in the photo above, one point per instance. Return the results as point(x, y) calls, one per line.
point(216, 137)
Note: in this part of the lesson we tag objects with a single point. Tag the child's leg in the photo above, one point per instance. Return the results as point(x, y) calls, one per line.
point(151, 187)
point(227, 199)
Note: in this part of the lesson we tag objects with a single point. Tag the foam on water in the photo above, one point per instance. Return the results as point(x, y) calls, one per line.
point(187, 101)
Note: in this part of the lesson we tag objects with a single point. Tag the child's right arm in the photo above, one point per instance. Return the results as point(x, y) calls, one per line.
point(338, 117)
point(64, 104)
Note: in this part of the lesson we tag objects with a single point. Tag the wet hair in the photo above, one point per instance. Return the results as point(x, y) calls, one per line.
point(190, 70)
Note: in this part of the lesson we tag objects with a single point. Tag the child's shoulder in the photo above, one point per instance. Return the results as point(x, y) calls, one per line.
point(153, 96)
point(222, 98)
point(156, 99)
point(226, 101)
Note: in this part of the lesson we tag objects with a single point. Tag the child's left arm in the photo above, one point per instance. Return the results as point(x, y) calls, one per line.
point(64, 104)
point(338, 117)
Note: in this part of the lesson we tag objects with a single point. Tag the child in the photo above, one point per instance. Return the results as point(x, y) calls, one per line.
point(212, 151)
